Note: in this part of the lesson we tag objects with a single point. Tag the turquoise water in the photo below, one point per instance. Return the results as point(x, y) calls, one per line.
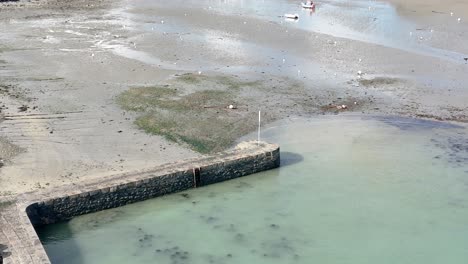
point(351, 190)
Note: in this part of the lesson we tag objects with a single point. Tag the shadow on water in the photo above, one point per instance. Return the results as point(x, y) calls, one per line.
point(61, 242)
point(290, 158)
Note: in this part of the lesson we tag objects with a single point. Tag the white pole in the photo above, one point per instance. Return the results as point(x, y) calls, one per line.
point(259, 120)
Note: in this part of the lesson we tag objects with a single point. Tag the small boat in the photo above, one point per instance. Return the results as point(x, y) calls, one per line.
point(311, 6)
point(291, 16)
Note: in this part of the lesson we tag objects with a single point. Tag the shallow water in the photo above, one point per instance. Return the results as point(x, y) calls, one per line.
point(368, 21)
point(350, 190)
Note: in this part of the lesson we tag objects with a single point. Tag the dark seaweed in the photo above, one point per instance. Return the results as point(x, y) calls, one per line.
point(406, 123)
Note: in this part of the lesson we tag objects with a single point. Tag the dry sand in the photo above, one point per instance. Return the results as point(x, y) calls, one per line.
point(67, 61)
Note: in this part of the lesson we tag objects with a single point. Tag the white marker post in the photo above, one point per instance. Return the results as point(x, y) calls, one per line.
point(259, 120)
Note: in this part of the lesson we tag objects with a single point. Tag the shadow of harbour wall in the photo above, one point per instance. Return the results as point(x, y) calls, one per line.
point(175, 178)
point(50, 206)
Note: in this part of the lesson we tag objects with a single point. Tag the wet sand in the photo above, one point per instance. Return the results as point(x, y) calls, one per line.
point(66, 62)
point(459, 8)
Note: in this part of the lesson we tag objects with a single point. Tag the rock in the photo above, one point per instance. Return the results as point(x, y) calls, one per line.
point(340, 107)
point(185, 195)
point(23, 108)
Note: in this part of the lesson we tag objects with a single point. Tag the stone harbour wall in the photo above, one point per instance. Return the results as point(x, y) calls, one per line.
point(35, 209)
point(63, 208)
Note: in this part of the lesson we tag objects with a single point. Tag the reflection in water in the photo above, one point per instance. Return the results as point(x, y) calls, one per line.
point(355, 190)
point(374, 22)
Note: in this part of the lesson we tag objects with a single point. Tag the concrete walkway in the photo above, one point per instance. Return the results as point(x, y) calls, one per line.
point(15, 235)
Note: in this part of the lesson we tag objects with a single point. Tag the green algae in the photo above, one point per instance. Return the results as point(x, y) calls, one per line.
point(193, 110)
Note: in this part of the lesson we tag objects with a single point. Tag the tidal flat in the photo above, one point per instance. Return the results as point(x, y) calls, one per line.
point(73, 73)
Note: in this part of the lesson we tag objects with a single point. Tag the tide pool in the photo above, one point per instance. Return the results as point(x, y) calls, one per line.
point(351, 190)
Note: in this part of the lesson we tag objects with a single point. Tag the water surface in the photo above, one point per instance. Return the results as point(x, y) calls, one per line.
point(351, 190)
point(375, 22)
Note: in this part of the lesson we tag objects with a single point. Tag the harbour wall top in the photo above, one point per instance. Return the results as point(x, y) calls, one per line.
point(18, 219)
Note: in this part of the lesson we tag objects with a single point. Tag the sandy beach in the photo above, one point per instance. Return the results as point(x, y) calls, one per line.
point(64, 66)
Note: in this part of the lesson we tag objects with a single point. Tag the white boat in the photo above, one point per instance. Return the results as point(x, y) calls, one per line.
point(291, 16)
point(311, 6)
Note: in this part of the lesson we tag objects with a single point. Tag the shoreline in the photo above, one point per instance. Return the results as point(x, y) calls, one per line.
point(73, 129)
point(94, 89)
point(19, 218)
